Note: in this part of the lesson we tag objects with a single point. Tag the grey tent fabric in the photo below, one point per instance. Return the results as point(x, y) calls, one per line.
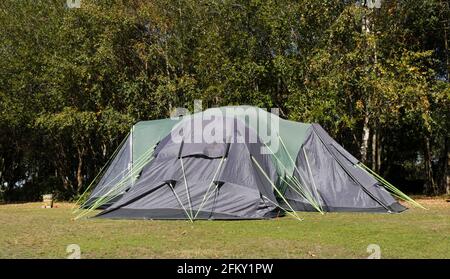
point(229, 177)
point(143, 136)
point(115, 173)
point(236, 190)
point(329, 172)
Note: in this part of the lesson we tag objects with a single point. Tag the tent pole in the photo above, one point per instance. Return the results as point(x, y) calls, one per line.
point(141, 161)
point(180, 157)
point(101, 170)
point(297, 170)
point(209, 187)
point(308, 196)
point(274, 187)
point(305, 195)
point(285, 210)
point(117, 187)
point(175, 193)
point(389, 186)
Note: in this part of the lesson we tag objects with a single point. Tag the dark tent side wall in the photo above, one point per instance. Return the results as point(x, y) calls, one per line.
point(222, 183)
point(115, 173)
point(328, 171)
point(126, 165)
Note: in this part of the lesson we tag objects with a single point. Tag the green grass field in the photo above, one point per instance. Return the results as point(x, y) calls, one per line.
point(29, 231)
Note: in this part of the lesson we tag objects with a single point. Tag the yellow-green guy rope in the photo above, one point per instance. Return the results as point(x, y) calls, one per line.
point(306, 194)
point(142, 160)
point(312, 178)
point(209, 187)
point(389, 186)
point(295, 166)
point(115, 190)
point(186, 185)
point(275, 188)
point(175, 193)
point(101, 170)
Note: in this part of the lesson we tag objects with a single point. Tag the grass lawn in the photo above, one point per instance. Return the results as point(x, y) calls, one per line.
point(29, 231)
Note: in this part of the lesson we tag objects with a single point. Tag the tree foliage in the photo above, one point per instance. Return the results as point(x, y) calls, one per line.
point(73, 81)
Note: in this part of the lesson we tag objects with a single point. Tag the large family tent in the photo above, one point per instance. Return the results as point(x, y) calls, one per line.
point(258, 165)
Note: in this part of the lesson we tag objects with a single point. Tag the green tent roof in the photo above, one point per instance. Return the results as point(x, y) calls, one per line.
point(147, 134)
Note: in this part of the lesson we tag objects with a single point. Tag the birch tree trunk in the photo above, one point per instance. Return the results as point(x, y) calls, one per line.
point(366, 129)
point(365, 139)
point(379, 150)
point(374, 149)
